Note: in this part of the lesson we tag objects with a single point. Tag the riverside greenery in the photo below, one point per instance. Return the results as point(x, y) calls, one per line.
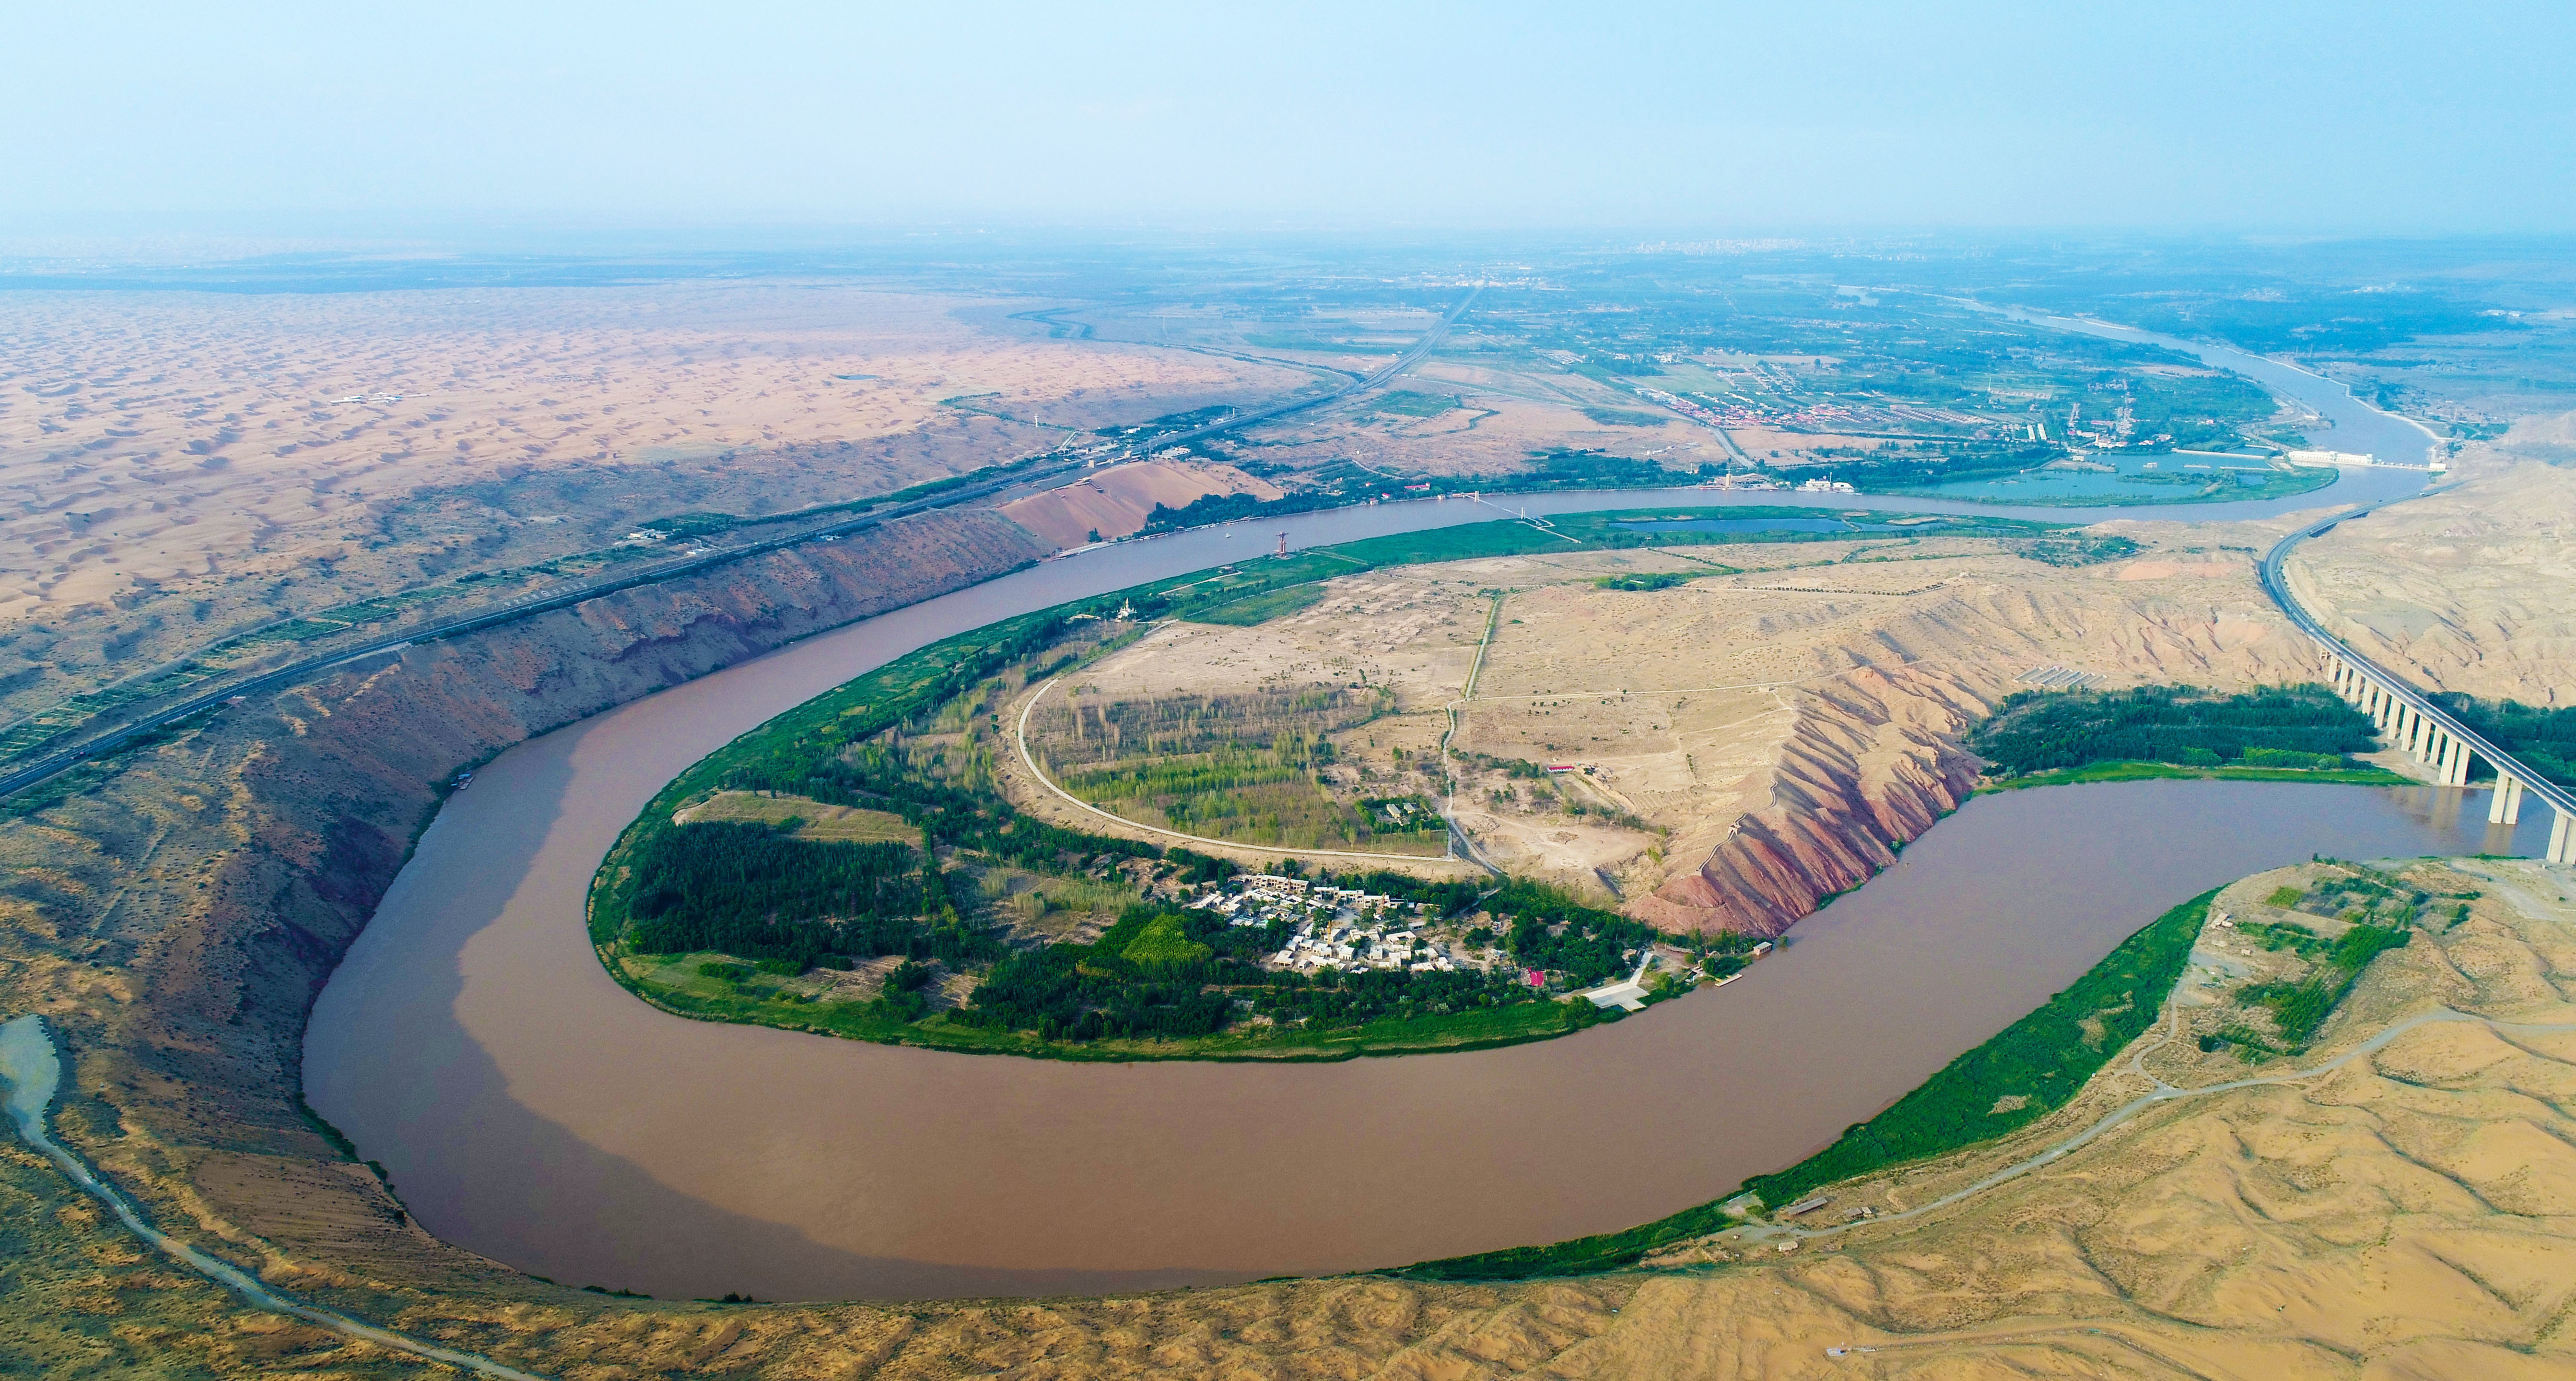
point(2040, 1060)
point(2275, 733)
point(917, 737)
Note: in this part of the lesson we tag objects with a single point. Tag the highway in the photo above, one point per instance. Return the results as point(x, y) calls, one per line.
point(2279, 589)
point(61, 760)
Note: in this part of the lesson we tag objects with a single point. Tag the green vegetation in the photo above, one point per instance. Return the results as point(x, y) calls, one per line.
point(1188, 977)
point(1627, 417)
point(754, 891)
point(2042, 1058)
point(2545, 740)
point(2299, 1008)
point(917, 740)
point(2025, 1072)
point(728, 917)
point(2154, 771)
point(1165, 941)
point(2296, 728)
point(1246, 767)
point(1410, 404)
point(2379, 911)
point(2163, 487)
point(2076, 549)
point(1262, 608)
point(1656, 580)
point(1616, 530)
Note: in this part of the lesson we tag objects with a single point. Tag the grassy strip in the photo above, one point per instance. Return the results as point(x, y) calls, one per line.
point(2152, 771)
point(2043, 1058)
point(1262, 608)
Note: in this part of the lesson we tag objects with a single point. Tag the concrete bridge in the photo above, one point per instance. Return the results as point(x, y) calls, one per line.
point(2410, 720)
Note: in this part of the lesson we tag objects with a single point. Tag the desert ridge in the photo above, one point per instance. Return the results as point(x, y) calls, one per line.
point(1117, 501)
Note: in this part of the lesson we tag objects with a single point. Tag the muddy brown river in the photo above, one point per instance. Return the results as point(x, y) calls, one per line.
point(529, 1109)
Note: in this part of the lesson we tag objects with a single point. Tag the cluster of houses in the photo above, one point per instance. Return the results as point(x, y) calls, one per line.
point(1338, 928)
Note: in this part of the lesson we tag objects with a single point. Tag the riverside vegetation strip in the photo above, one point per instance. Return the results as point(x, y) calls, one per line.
point(2330, 920)
point(742, 920)
point(2289, 733)
point(2040, 1060)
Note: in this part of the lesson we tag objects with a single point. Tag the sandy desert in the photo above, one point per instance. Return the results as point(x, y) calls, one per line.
point(182, 465)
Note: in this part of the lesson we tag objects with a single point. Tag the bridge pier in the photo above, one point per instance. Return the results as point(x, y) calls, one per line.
point(2430, 733)
point(2506, 808)
point(2455, 760)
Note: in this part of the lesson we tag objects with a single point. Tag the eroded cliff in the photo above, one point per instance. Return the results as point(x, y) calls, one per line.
point(176, 917)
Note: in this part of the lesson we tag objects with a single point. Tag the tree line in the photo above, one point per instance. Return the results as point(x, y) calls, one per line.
point(2039, 731)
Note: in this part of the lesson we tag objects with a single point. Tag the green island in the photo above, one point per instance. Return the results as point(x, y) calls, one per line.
point(851, 868)
point(2273, 734)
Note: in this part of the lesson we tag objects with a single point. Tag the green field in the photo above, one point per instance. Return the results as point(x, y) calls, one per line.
point(1262, 608)
point(2042, 1058)
point(1410, 404)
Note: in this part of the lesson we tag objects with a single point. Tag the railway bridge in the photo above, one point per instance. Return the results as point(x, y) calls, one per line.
point(2417, 723)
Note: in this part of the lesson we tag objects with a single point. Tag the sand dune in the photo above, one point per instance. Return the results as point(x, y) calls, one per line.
point(175, 466)
point(1117, 501)
point(2473, 590)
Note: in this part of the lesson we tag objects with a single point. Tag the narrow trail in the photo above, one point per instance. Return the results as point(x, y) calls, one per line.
point(33, 1070)
point(2165, 1093)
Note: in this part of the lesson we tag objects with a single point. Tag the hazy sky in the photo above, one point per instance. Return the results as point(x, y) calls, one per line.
point(280, 119)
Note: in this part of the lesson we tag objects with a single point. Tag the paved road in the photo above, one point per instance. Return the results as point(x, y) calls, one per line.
point(2279, 589)
point(61, 760)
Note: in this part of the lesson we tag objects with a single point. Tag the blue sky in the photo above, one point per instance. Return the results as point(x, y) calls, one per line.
point(283, 120)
